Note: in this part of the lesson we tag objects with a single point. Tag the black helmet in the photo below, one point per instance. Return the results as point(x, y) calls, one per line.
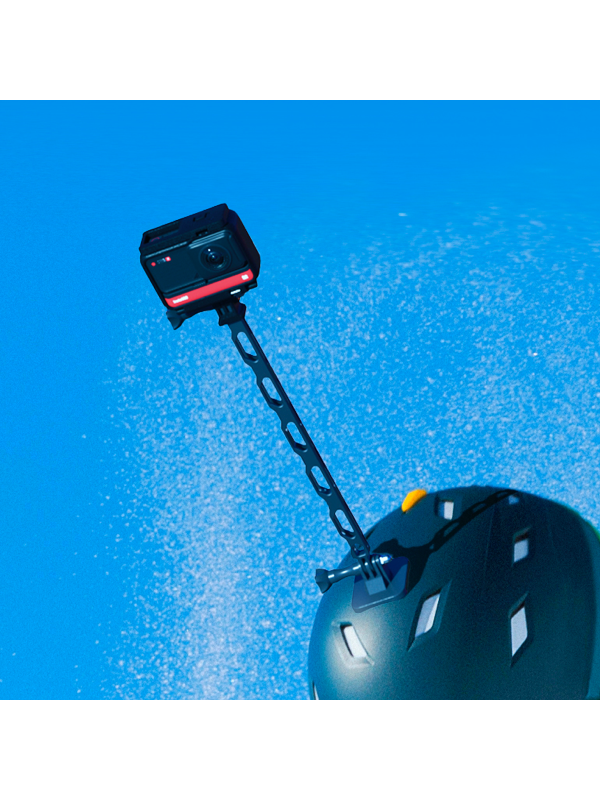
point(502, 603)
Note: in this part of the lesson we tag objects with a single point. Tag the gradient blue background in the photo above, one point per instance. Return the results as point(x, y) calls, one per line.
point(428, 297)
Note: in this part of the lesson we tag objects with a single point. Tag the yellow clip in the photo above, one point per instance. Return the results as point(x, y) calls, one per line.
point(412, 498)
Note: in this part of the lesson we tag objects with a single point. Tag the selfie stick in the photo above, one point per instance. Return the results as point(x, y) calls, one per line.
point(378, 581)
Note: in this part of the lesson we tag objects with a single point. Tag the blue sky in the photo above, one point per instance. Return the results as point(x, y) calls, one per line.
point(428, 296)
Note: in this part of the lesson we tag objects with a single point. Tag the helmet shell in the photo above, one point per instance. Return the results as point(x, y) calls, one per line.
point(501, 604)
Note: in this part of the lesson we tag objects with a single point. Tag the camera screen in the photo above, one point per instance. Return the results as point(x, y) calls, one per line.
point(174, 271)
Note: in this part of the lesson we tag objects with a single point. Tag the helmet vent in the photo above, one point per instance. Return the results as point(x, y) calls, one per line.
point(521, 545)
point(518, 629)
point(353, 643)
point(427, 614)
point(445, 509)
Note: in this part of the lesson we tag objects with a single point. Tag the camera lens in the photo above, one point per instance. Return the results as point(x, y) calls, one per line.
point(216, 258)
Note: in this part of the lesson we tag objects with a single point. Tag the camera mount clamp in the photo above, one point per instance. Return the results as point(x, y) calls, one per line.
point(378, 578)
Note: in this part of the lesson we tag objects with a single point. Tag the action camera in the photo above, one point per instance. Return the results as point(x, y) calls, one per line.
point(200, 262)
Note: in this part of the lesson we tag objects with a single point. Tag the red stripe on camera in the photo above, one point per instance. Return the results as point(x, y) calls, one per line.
point(211, 288)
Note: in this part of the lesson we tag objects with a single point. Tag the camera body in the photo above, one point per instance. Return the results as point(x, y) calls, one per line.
point(200, 262)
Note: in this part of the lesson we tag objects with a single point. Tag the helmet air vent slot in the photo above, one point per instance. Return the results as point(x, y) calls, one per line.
point(521, 545)
point(445, 509)
point(353, 643)
point(427, 614)
point(518, 628)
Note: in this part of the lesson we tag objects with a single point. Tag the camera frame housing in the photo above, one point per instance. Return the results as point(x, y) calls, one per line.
point(181, 259)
